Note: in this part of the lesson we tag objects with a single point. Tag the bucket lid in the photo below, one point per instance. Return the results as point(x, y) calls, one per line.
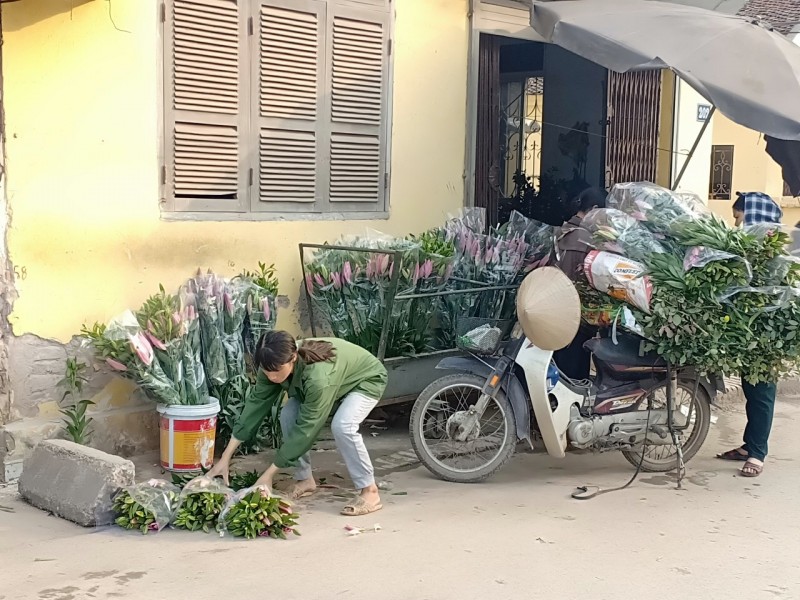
point(209, 409)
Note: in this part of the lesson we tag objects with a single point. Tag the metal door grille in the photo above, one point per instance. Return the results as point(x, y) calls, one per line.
point(632, 126)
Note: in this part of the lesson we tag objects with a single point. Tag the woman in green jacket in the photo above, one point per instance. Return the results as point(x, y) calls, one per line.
point(316, 374)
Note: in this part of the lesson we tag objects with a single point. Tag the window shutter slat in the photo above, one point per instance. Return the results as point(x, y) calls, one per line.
point(358, 83)
point(206, 124)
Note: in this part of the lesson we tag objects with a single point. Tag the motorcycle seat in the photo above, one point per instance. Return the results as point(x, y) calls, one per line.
point(625, 352)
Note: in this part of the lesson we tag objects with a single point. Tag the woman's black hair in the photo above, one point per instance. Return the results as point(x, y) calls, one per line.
point(738, 204)
point(587, 200)
point(277, 348)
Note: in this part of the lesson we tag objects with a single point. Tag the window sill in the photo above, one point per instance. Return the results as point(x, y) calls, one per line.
point(284, 217)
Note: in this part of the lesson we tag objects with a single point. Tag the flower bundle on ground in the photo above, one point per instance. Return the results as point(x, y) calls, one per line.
point(723, 300)
point(200, 505)
point(146, 507)
point(253, 513)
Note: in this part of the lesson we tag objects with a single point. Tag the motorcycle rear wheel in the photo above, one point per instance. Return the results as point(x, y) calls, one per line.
point(662, 458)
point(430, 421)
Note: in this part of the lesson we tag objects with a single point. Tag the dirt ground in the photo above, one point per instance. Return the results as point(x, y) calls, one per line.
point(721, 537)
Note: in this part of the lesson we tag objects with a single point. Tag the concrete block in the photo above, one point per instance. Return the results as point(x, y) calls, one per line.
point(74, 482)
point(122, 431)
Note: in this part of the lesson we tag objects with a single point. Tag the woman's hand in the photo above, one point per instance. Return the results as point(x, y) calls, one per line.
point(221, 469)
point(223, 466)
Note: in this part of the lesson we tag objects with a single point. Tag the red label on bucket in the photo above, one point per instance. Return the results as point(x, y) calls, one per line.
point(192, 443)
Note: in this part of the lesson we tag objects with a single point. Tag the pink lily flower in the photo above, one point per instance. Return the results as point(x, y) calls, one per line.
point(427, 268)
point(154, 341)
point(310, 284)
point(391, 269)
point(347, 273)
point(319, 280)
point(116, 365)
point(142, 348)
point(336, 279)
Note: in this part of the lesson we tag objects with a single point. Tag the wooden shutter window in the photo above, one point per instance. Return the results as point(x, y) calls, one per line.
point(289, 71)
point(276, 105)
point(358, 105)
point(205, 85)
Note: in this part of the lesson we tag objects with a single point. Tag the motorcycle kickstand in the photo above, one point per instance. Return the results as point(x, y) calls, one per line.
point(671, 385)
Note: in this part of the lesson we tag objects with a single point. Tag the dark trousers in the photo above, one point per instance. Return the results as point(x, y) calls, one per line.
point(574, 361)
point(760, 407)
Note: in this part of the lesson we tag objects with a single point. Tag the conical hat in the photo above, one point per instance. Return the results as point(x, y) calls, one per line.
point(549, 308)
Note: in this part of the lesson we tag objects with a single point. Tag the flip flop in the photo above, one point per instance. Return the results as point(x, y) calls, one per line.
point(754, 470)
point(358, 507)
point(734, 455)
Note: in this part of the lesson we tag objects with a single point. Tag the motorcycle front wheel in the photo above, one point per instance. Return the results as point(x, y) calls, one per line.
point(692, 418)
point(438, 411)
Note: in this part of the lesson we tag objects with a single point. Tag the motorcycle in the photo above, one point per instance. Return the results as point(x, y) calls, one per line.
point(465, 426)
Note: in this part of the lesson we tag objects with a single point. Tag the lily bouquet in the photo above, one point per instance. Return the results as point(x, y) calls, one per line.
point(124, 347)
point(500, 258)
point(261, 314)
point(351, 287)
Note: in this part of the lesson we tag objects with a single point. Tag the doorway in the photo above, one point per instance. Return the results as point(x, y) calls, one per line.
point(550, 123)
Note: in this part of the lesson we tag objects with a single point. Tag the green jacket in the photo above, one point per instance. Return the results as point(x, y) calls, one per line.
point(317, 387)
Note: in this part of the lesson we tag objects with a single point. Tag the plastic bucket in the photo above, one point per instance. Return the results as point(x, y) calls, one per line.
point(187, 436)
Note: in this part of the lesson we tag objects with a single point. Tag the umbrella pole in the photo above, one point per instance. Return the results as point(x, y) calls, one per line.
point(694, 148)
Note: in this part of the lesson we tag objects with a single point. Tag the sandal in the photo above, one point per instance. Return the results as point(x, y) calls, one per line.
point(358, 507)
point(733, 455)
point(297, 494)
point(751, 469)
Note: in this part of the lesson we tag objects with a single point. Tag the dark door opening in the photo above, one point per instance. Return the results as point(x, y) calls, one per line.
point(550, 124)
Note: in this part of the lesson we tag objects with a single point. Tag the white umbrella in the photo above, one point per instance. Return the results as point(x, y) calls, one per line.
point(747, 71)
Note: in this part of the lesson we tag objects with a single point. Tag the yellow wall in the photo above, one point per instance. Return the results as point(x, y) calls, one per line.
point(82, 111)
point(753, 169)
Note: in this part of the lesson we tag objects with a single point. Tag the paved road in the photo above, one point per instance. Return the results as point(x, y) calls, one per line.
point(722, 537)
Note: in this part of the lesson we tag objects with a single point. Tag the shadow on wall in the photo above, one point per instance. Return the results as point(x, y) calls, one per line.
point(19, 14)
